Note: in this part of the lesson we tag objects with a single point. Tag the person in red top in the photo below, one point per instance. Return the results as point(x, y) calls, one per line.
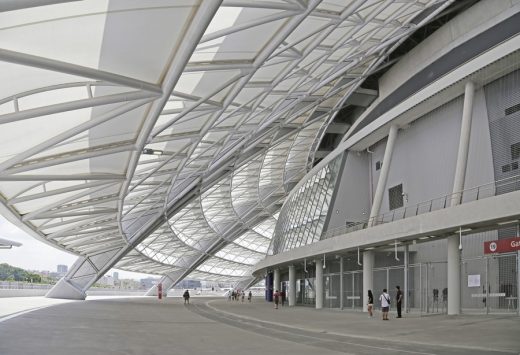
point(276, 299)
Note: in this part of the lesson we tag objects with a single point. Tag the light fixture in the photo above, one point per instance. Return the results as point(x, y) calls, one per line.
point(464, 230)
point(425, 237)
point(150, 151)
point(508, 222)
point(460, 238)
point(370, 248)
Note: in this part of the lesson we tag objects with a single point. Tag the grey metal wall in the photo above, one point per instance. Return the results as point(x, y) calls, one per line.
point(425, 154)
point(352, 202)
point(503, 98)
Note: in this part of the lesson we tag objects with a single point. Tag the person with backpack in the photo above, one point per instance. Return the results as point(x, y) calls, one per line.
point(385, 303)
point(186, 296)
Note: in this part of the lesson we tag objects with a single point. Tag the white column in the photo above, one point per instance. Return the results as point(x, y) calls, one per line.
point(276, 280)
point(292, 285)
point(319, 284)
point(458, 185)
point(368, 276)
point(453, 275)
point(405, 291)
point(341, 283)
point(383, 175)
point(462, 155)
point(65, 289)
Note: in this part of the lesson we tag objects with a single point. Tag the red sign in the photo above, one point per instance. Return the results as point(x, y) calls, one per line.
point(502, 246)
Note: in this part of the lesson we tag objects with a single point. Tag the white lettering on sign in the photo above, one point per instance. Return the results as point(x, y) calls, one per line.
point(477, 295)
point(515, 244)
point(493, 246)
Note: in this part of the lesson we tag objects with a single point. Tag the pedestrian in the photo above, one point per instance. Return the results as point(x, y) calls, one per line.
point(282, 296)
point(243, 296)
point(385, 303)
point(186, 296)
point(370, 304)
point(276, 299)
point(249, 296)
point(399, 301)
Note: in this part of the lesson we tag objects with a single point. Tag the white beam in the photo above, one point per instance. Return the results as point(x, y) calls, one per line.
point(77, 70)
point(75, 105)
point(71, 133)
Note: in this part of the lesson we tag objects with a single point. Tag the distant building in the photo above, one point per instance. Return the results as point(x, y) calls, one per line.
point(106, 280)
point(189, 284)
point(62, 270)
point(148, 282)
point(115, 275)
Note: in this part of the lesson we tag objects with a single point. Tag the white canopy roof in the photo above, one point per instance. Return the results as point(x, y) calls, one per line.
point(164, 135)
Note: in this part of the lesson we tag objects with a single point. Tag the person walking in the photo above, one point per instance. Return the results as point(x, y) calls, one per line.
point(399, 301)
point(243, 296)
point(385, 303)
point(249, 296)
point(282, 297)
point(276, 299)
point(370, 304)
point(186, 296)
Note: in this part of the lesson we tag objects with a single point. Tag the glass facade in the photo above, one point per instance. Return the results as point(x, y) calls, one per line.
point(304, 214)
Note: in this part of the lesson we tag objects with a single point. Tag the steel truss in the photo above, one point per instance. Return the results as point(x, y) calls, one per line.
point(213, 150)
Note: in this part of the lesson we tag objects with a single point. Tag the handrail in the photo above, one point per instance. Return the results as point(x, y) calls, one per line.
point(472, 194)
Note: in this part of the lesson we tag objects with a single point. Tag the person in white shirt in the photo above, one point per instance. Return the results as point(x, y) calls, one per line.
point(385, 303)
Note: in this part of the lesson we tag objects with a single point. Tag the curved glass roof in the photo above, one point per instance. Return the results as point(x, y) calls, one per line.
point(163, 137)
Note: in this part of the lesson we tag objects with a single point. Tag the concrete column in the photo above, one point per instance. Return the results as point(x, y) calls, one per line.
point(276, 280)
point(368, 276)
point(462, 155)
point(458, 185)
point(383, 175)
point(66, 290)
point(405, 291)
point(341, 293)
point(292, 285)
point(319, 284)
point(453, 275)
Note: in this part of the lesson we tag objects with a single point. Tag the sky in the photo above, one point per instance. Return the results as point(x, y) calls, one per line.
point(36, 255)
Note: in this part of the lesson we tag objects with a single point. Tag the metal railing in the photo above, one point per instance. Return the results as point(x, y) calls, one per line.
point(472, 194)
point(21, 285)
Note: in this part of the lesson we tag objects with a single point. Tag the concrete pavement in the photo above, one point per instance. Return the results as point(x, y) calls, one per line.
point(215, 326)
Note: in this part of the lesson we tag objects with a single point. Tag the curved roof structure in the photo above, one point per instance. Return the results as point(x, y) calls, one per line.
point(163, 137)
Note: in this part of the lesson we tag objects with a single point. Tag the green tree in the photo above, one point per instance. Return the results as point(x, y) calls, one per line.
point(12, 273)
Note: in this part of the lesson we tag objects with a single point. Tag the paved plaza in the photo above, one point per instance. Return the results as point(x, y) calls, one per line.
point(216, 326)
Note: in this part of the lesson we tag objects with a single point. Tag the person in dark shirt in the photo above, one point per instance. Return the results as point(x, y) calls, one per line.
point(399, 301)
point(370, 304)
